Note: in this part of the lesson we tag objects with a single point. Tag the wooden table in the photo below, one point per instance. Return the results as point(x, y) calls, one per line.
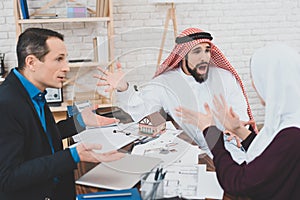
point(84, 167)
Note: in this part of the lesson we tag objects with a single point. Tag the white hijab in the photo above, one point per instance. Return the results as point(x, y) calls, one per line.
point(275, 71)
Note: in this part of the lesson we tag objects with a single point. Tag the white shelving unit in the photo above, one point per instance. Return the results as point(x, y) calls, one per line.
point(108, 19)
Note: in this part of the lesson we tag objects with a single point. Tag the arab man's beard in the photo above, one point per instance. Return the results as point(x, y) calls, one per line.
point(200, 78)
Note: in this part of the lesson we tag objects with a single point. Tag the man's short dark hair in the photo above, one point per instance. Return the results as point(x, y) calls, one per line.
point(33, 42)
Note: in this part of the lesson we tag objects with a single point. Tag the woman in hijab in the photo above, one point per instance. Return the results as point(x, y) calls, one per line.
point(271, 168)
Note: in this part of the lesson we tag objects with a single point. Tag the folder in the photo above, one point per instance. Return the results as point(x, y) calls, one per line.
point(119, 175)
point(129, 194)
point(24, 9)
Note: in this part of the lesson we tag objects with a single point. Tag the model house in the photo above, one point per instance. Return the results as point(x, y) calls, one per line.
point(152, 124)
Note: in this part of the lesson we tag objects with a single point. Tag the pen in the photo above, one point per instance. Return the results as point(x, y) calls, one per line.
point(106, 195)
point(158, 177)
point(156, 174)
point(163, 175)
point(148, 139)
point(160, 172)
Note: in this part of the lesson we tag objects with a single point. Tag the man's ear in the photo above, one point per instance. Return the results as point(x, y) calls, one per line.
point(184, 62)
point(185, 66)
point(30, 62)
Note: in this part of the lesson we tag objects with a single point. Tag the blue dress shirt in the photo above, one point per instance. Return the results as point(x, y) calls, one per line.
point(38, 99)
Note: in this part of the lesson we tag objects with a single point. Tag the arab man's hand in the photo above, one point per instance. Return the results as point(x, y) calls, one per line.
point(114, 80)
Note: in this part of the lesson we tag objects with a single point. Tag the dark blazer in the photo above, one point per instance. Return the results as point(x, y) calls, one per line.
point(27, 166)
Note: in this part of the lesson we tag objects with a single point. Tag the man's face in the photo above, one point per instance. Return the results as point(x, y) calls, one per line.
point(51, 72)
point(198, 61)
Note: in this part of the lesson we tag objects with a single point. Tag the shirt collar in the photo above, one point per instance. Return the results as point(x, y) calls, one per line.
point(30, 88)
point(188, 78)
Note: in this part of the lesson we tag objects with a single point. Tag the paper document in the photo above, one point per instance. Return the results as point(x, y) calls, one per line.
point(182, 181)
point(107, 137)
point(191, 182)
point(191, 156)
point(104, 126)
point(167, 147)
point(209, 186)
point(172, 129)
point(133, 128)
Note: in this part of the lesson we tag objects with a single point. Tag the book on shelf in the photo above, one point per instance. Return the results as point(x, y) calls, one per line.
point(102, 7)
point(101, 49)
point(24, 9)
point(44, 16)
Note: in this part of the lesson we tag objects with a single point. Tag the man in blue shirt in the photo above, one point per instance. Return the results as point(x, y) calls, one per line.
point(33, 164)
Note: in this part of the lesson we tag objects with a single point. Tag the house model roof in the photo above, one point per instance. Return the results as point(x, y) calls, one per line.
point(154, 119)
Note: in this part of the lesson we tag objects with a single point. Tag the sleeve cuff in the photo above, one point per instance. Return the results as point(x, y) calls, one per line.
point(80, 120)
point(246, 143)
point(212, 136)
point(74, 154)
point(212, 128)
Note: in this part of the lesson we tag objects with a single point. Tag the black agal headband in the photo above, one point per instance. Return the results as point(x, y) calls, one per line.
point(194, 36)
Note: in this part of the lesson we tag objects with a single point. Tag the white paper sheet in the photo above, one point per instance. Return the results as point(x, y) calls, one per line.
point(167, 147)
point(182, 181)
point(191, 156)
point(209, 186)
point(191, 182)
point(106, 137)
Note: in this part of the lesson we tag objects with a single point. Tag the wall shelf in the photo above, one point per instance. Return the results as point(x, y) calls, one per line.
point(87, 64)
point(63, 20)
point(107, 18)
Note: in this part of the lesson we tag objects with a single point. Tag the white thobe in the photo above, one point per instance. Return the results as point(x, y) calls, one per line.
point(174, 88)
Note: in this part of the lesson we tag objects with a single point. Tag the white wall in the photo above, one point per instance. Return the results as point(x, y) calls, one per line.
point(238, 28)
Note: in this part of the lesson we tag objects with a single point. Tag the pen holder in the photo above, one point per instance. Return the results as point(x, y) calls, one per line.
point(151, 188)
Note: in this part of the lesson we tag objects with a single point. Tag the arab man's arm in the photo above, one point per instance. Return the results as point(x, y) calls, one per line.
point(136, 102)
point(235, 98)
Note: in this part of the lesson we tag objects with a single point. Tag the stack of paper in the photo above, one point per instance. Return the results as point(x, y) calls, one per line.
point(184, 178)
point(191, 182)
